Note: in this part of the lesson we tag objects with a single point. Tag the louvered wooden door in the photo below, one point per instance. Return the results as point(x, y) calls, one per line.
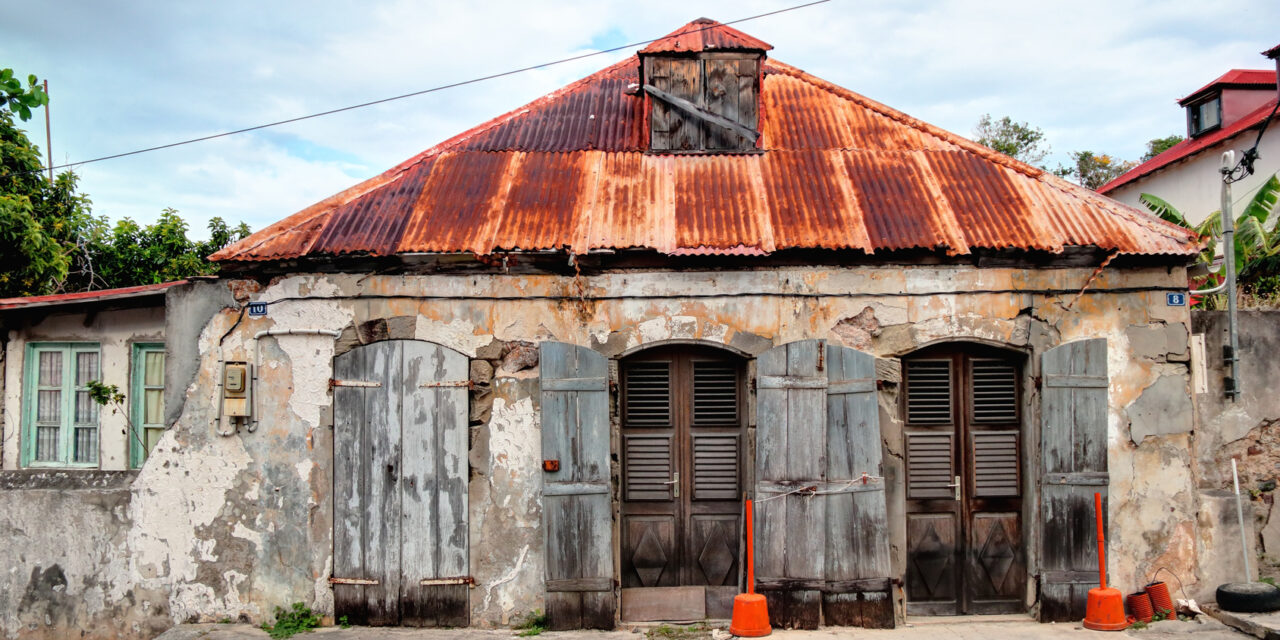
point(682, 439)
point(965, 551)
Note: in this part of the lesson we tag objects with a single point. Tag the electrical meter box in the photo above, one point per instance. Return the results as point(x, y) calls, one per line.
point(236, 383)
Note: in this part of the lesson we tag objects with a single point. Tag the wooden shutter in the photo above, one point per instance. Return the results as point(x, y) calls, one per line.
point(434, 545)
point(671, 128)
point(731, 93)
point(1073, 441)
point(791, 453)
point(400, 485)
point(576, 511)
point(857, 589)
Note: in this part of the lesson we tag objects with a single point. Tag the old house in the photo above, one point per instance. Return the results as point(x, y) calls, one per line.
point(539, 365)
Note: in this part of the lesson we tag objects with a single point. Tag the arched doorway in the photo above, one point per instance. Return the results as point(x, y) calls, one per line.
point(962, 413)
point(683, 410)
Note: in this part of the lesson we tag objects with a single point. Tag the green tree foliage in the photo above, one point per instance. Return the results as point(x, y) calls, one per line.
point(132, 254)
point(50, 241)
point(43, 222)
point(21, 100)
point(1157, 146)
point(1019, 140)
point(1093, 170)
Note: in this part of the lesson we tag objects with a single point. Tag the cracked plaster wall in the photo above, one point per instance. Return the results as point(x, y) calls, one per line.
point(233, 526)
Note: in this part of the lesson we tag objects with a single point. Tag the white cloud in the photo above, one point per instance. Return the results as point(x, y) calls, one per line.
point(1094, 74)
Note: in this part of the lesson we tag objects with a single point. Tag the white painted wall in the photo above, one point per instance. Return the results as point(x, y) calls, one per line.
point(115, 332)
point(1194, 186)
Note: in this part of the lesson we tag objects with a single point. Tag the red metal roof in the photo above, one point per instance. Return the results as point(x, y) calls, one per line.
point(1191, 147)
point(100, 295)
point(836, 171)
point(1235, 78)
point(705, 34)
point(1273, 52)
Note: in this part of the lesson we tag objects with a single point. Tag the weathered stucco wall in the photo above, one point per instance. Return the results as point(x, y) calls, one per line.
point(231, 526)
point(115, 331)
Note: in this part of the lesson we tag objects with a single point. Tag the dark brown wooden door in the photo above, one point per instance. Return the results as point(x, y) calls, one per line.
point(965, 551)
point(682, 439)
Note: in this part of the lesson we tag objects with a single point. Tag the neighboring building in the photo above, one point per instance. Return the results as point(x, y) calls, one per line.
point(539, 365)
point(53, 346)
point(1223, 115)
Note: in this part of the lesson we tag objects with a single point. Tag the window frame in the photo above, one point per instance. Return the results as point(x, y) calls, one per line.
point(68, 388)
point(137, 400)
point(1195, 118)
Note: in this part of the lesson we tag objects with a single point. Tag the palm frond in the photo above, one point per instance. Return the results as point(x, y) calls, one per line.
point(1166, 211)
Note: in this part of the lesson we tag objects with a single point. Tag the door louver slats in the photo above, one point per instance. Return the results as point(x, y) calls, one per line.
point(995, 392)
point(995, 459)
point(929, 392)
point(715, 467)
point(648, 467)
point(715, 394)
point(648, 394)
point(929, 468)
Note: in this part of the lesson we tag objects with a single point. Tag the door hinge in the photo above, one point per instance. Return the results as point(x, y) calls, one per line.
point(333, 580)
point(433, 582)
point(334, 382)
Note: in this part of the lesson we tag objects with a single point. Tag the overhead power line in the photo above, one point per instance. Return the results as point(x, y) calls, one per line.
point(414, 93)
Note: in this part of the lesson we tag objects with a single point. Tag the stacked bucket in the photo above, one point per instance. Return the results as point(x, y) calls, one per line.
point(1153, 599)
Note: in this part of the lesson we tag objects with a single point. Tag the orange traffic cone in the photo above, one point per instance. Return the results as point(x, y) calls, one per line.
point(1105, 610)
point(750, 611)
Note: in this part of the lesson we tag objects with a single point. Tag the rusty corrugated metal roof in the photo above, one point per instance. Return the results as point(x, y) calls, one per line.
point(84, 297)
point(705, 34)
point(836, 171)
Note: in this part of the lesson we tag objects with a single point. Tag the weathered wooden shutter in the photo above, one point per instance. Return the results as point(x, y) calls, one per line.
point(400, 485)
point(671, 128)
point(576, 512)
point(791, 454)
point(435, 567)
point(1073, 441)
point(857, 588)
point(731, 93)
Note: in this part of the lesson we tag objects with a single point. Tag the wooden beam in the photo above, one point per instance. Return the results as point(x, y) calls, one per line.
point(702, 114)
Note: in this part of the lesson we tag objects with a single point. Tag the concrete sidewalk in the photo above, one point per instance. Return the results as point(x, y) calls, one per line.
point(917, 629)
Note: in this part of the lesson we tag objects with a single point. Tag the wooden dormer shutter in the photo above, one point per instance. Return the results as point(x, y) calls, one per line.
point(704, 103)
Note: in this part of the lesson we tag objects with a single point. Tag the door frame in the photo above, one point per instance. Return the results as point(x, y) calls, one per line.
point(746, 454)
point(1027, 380)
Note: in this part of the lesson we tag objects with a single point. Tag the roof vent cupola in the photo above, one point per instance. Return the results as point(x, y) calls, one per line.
point(702, 89)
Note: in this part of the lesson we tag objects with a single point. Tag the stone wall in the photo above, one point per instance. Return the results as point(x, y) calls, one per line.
point(1247, 430)
point(232, 526)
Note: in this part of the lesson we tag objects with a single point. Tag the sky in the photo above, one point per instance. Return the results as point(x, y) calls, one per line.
point(1097, 75)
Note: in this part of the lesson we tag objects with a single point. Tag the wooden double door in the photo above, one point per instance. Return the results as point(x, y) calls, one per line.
point(400, 548)
point(965, 546)
point(682, 446)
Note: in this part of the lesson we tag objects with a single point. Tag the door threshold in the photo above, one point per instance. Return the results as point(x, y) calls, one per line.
point(921, 621)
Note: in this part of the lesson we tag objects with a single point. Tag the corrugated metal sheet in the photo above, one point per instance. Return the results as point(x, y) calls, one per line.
point(705, 34)
point(1236, 78)
point(836, 171)
point(82, 297)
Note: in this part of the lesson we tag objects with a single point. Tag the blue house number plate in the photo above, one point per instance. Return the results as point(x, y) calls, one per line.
point(259, 309)
point(1171, 299)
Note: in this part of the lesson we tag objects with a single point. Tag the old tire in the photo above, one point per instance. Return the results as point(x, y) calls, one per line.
point(1248, 597)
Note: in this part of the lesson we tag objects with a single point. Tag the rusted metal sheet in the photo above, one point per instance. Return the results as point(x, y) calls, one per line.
point(705, 34)
point(835, 170)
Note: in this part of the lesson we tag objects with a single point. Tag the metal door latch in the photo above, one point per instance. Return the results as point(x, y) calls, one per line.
point(675, 480)
point(956, 485)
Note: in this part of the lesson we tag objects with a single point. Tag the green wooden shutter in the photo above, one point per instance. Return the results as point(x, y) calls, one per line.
point(576, 508)
point(1073, 442)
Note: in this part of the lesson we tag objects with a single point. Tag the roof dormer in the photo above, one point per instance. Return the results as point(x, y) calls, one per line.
point(1227, 99)
point(702, 89)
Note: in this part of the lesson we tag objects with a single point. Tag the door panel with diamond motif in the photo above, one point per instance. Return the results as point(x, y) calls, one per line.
point(682, 439)
point(965, 553)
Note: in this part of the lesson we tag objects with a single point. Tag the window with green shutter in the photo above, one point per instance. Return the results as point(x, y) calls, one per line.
point(60, 419)
point(147, 401)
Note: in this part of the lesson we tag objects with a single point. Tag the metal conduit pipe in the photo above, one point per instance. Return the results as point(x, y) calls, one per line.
point(253, 422)
point(1231, 352)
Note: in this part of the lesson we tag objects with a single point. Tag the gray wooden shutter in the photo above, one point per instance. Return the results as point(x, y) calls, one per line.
point(576, 510)
point(1073, 441)
point(400, 485)
point(857, 589)
point(434, 546)
point(791, 453)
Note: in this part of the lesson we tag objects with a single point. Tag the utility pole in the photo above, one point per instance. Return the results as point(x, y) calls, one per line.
point(1230, 351)
point(48, 133)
